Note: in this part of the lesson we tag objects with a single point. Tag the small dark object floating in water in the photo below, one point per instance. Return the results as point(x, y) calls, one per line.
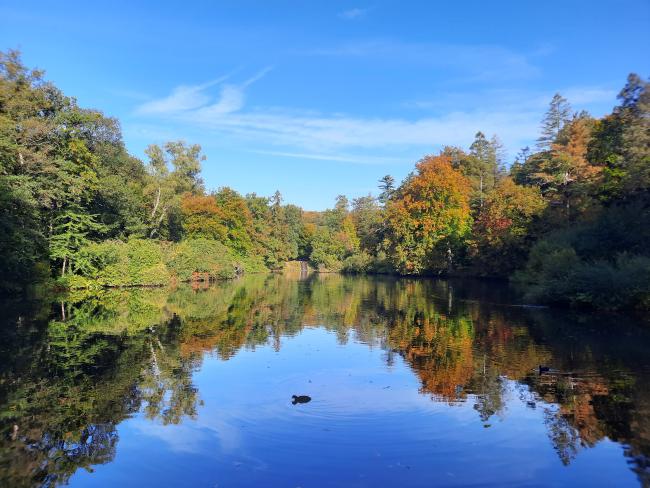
point(544, 369)
point(300, 399)
point(531, 404)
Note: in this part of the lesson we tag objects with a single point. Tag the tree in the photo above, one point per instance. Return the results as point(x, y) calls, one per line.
point(635, 139)
point(237, 219)
point(387, 187)
point(70, 235)
point(202, 217)
point(368, 219)
point(497, 158)
point(279, 248)
point(429, 217)
point(481, 166)
point(503, 230)
point(166, 187)
point(523, 154)
point(557, 115)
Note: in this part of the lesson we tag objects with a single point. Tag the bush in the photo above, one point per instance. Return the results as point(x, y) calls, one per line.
point(153, 263)
point(602, 264)
point(556, 274)
point(358, 263)
point(117, 263)
point(202, 256)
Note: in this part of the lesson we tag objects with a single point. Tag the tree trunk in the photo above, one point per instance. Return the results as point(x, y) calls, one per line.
point(155, 229)
point(65, 261)
point(155, 206)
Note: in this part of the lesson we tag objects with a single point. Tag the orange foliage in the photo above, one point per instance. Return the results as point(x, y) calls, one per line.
point(202, 217)
point(430, 215)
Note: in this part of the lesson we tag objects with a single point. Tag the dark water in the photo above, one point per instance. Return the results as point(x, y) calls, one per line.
point(412, 383)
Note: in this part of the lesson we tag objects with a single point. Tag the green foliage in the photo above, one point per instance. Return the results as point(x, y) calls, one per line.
point(117, 263)
point(359, 263)
point(600, 264)
point(327, 251)
point(202, 256)
point(558, 114)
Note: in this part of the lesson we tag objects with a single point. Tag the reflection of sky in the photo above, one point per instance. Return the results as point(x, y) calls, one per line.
point(366, 425)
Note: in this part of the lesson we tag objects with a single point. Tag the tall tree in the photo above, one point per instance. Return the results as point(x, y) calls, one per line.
point(481, 167)
point(387, 187)
point(557, 115)
point(174, 170)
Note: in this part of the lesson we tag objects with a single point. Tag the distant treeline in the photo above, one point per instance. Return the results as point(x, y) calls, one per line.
point(569, 220)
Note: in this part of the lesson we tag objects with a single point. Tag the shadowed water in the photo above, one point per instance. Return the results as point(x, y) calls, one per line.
point(412, 383)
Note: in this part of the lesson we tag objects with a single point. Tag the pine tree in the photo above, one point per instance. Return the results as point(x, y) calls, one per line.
point(557, 115)
point(523, 155)
point(387, 187)
point(485, 161)
point(497, 157)
point(480, 148)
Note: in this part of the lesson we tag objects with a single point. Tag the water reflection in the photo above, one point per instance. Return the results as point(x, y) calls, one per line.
point(72, 372)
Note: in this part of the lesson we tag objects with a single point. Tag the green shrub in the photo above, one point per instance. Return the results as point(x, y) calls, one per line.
point(604, 263)
point(358, 263)
point(556, 274)
point(202, 256)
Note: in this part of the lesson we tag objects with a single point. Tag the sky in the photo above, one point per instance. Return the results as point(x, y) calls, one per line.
point(317, 99)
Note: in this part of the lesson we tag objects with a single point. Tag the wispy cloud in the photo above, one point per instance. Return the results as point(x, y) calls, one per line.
point(188, 97)
point(513, 115)
point(328, 136)
point(182, 98)
point(480, 62)
point(353, 13)
point(340, 158)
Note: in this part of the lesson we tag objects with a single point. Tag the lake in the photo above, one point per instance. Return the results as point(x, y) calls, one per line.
point(411, 382)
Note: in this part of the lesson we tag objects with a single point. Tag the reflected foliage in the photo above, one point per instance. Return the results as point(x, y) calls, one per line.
point(73, 370)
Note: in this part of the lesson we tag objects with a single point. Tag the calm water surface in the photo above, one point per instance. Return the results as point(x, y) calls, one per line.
point(413, 383)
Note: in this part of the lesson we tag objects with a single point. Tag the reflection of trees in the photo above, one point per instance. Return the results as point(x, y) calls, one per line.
point(70, 387)
point(68, 382)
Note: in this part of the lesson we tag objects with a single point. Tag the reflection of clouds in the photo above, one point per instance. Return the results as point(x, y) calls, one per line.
point(178, 438)
point(191, 436)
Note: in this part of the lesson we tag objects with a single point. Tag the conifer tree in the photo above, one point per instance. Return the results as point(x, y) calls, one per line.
point(557, 115)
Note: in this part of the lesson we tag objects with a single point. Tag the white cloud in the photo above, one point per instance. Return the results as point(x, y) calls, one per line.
point(186, 98)
point(353, 13)
point(512, 114)
point(477, 62)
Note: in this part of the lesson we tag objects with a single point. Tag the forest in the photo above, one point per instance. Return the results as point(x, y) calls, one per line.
point(568, 221)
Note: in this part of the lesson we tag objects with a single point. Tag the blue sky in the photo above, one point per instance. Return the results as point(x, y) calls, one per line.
point(321, 98)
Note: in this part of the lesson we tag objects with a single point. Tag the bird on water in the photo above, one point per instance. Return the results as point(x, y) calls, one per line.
point(300, 399)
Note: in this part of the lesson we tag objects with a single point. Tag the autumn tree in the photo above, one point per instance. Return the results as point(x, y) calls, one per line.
point(202, 217)
point(503, 230)
point(429, 217)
